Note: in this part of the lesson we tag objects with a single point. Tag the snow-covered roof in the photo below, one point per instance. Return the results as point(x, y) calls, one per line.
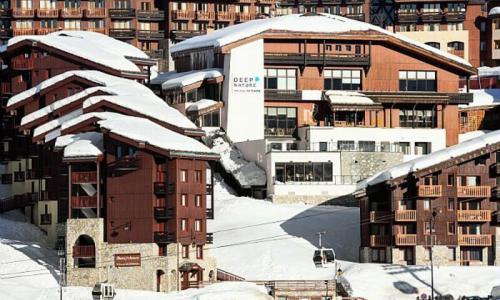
point(56, 123)
point(93, 46)
point(486, 71)
point(201, 104)
point(348, 98)
point(494, 11)
point(159, 78)
point(317, 23)
point(486, 97)
point(431, 159)
point(179, 80)
point(85, 144)
point(312, 95)
point(144, 131)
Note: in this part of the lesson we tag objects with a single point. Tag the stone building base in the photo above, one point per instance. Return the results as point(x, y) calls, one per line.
point(306, 199)
point(143, 276)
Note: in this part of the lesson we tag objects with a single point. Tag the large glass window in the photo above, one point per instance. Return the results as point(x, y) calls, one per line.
point(300, 172)
point(421, 118)
point(434, 44)
point(424, 81)
point(342, 79)
point(280, 79)
point(280, 120)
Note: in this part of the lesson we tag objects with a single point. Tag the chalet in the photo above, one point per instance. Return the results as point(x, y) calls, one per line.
point(318, 100)
point(447, 200)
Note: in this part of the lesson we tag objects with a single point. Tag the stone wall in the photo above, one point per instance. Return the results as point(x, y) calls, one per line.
point(307, 199)
point(142, 277)
point(441, 256)
point(367, 163)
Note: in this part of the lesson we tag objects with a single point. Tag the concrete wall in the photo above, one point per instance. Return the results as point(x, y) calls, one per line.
point(367, 163)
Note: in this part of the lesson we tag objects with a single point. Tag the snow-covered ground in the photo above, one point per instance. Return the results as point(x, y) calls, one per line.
point(259, 240)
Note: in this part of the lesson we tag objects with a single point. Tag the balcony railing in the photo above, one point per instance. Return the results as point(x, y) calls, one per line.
point(46, 219)
point(406, 239)
point(182, 15)
point(81, 251)
point(286, 95)
point(5, 13)
point(84, 177)
point(474, 215)
point(225, 16)
point(23, 31)
point(317, 59)
point(161, 237)
point(155, 53)
point(160, 188)
point(210, 213)
point(94, 29)
point(379, 240)
point(19, 176)
point(473, 191)
point(180, 35)
point(405, 215)
point(163, 213)
point(210, 238)
point(151, 15)
point(79, 202)
point(279, 131)
point(23, 13)
point(454, 16)
point(150, 34)
point(126, 163)
point(431, 16)
point(205, 15)
point(380, 216)
point(71, 12)
point(429, 190)
point(47, 13)
point(122, 33)
point(121, 13)
point(95, 12)
point(356, 16)
point(22, 63)
point(474, 240)
point(43, 31)
point(32, 174)
point(244, 16)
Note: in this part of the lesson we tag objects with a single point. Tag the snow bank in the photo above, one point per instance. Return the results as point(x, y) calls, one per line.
point(247, 173)
point(179, 80)
point(432, 159)
point(320, 23)
point(484, 97)
point(201, 104)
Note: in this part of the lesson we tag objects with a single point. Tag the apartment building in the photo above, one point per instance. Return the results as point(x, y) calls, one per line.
point(447, 200)
point(319, 101)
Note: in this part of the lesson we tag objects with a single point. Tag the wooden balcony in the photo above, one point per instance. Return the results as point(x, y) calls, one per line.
point(5, 13)
point(161, 237)
point(205, 15)
point(210, 213)
point(47, 12)
point(5, 33)
point(122, 33)
point(79, 202)
point(160, 188)
point(121, 13)
point(150, 15)
point(126, 163)
point(80, 251)
point(225, 16)
point(379, 240)
point(405, 215)
point(95, 13)
point(459, 53)
point(180, 35)
point(380, 216)
point(354, 16)
point(71, 13)
point(23, 13)
point(405, 239)
point(474, 216)
point(473, 191)
point(84, 177)
point(6, 90)
point(43, 31)
point(474, 240)
point(163, 213)
point(429, 190)
point(210, 238)
point(158, 53)
point(297, 59)
point(266, 1)
point(101, 30)
point(454, 16)
point(23, 31)
point(183, 15)
point(244, 16)
point(150, 35)
point(407, 17)
point(431, 16)
point(45, 219)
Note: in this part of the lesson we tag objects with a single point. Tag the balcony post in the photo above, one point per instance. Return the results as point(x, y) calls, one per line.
point(98, 189)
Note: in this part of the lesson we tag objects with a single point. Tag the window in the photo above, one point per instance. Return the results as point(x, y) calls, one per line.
point(367, 146)
point(422, 148)
point(275, 146)
point(408, 27)
point(291, 146)
point(456, 7)
point(184, 224)
point(451, 179)
point(427, 204)
point(378, 255)
point(452, 253)
point(323, 146)
point(342, 80)
point(280, 121)
point(432, 27)
point(119, 152)
point(184, 175)
point(185, 251)
point(211, 119)
point(197, 200)
point(280, 79)
point(301, 172)
point(328, 47)
point(481, 160)
point(184, 200)
point(424, 81)
point(197, 176)
point(455, 46)
point(199, 251)
point(421, 118)
point(403, 147)
point(427, 228)
point(455, 26)
point(451, 203)
point(451, 228)
point(434, 44)
point(346, 145)
point(197, 225)
point(338, 48)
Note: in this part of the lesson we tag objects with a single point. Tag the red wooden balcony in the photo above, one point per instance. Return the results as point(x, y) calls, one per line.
point(406, 239)
point(163, 213)
point(71, 12)
point(183, 15)
point(483, 240)
point(6, 90)
point(47, 13)
point(122, 13)
point(473, 191)
point(43, 31)
point(151, 15)
point(429, 191)
point(474, 216)
point(95, 12)
point(23, 13)
point(205, 15)
point(405, 215)
point(98, 30)
point(79, 202)
point(22, 63)
point(161, 237)
point(84, 251)
point(380, 216)
point(379, 240)
point(225, 16)
point(244, 16)
point(266, 1)
point(23, 31)
point(84, 177)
